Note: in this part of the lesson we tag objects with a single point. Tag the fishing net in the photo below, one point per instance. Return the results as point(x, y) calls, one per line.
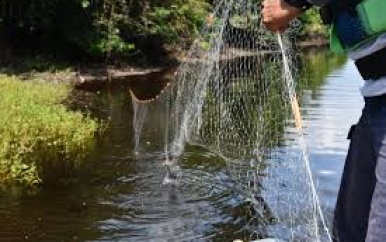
point(234, 95)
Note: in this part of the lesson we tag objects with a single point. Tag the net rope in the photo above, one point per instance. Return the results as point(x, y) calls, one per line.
point(234, 95)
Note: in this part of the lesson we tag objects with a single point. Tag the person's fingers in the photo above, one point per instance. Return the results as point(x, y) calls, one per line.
point(272, 26)
point(268, 22)
point(266, 15)
point(271, 17)
point(282, 29)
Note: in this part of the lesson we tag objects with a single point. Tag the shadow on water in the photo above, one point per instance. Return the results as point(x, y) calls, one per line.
point(118, 197)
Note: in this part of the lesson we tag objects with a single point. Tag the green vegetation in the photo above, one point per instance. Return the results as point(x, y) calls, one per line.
point(111, 29)
point(312, 25)
point(100, 28)
point(39, 137)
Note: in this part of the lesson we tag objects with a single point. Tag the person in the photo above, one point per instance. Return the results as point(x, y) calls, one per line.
point(359, 28)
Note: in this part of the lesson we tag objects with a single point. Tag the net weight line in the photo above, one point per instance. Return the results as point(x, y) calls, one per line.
point(299, 125)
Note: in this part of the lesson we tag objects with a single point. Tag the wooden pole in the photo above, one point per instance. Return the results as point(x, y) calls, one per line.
point(296, 112)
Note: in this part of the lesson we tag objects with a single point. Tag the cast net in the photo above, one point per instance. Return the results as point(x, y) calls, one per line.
point(234, 95)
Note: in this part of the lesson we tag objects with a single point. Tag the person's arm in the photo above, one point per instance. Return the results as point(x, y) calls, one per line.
point(278, 13)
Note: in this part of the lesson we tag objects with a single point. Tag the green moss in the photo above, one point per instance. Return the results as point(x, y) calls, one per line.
point(39, 137)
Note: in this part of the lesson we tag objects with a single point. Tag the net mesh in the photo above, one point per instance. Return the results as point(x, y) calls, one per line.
point(234, 96)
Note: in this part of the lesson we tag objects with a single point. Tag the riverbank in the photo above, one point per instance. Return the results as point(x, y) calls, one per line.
point(41, 140)
point(94, 77)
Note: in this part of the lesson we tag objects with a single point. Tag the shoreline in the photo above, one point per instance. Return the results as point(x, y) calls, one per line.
point(111, 75)
point(97, 77)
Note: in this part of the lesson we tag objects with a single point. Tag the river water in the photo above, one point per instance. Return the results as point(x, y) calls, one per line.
point(118, 197)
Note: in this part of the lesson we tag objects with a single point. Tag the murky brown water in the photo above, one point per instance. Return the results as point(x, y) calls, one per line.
point(120, 198)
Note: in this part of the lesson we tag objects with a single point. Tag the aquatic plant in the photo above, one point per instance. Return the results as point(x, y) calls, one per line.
point(40, 139)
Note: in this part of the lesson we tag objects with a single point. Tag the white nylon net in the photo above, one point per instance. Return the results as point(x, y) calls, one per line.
point(234, 95)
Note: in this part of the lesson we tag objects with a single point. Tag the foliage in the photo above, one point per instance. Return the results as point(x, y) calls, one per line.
point(176, 19)
point(100, 28)
point(39, 137)
point(113, 28)
point(312, 24)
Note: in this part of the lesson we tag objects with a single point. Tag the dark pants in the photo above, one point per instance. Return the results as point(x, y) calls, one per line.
point(362, 192)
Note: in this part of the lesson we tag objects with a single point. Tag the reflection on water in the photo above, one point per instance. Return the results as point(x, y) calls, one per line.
point(329, 111)
point(120, 198)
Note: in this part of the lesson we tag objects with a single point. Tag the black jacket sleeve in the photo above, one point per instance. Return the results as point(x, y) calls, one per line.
point(306, 4)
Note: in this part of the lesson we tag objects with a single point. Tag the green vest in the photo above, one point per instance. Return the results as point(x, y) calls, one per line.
point(372, 16)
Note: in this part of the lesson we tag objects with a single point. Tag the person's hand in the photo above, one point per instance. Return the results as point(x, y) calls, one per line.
point(277, 14)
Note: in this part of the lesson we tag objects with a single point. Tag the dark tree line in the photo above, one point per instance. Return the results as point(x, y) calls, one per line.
point(106, 29)
point(99, 28)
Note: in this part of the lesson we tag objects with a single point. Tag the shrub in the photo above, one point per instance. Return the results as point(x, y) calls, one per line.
point(174, 20)
point(312, 24)
point(39, 137)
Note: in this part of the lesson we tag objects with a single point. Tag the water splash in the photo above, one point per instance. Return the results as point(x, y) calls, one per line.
point(139, 118)
point(234, 95)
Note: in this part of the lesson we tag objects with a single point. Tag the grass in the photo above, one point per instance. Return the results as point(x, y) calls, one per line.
point(40, 139)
